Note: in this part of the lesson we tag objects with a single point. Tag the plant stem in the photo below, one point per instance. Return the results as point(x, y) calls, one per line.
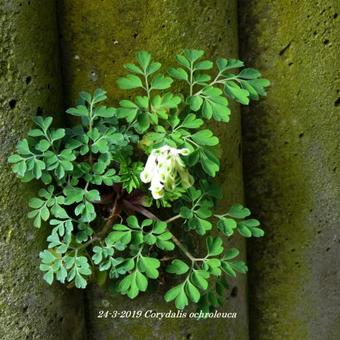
point(114, 215)
point(191, 74)
point(90, 129)
point(173, 218)
point(178, 243)
point(147, 88)
point(105, 229)
point(181, 246)
point(212, 83)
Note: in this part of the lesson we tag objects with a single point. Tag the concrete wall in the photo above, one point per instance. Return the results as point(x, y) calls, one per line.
point(291, 146)
point(291, 162)
point(30, 84)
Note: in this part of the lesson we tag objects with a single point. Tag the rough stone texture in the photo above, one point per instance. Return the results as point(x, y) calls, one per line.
point(98, 37)
point(30, 84)
point(292, 168)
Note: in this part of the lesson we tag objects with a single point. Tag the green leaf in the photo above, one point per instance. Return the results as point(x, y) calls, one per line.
point(62, 227)
point(239, 266)
point(43, 122)
point(143, 59)
point(23, 148)
point(35, 203)
point(215, 105)
point(181, 300)
point(92, 195)
point(85, 96)
point(87, 212)
point(200, 225)
point(99, 96)
point(60, 246)
point(142, 281)
point(213, 266)
point(161, 82)
point(14, 158)
point(79, 111)
point(178, 294)
point(120, 236)
point(177, 267)
point(43, 145)
point(201, 78)
point(127, 110)
point(143, 120)
point(57, 134)
point(214, 246)
point(105, 112)
point(165, 245)
point(238, 211)
point(195, 102)
point(193, 55)
point(142, 101)
point(52, 266)
point(191, 122)
point(133, 68)
point(73, 195)
point(237, 93)
point(248, 228)
point(204, 65)
point(203, 212)
point(79, 281)
point(257, 232)
point(130, 175)
point(231, 253)
point(41, 211)
point(249, 73)
point(36, 133)
point(162, 104)
point(192, 292)
point(159, 227)
point(129, 82)
point(186, 213)
point(199, 278)
point(227, 225)
point(259, 85)
point(225, 64)
point(132, 222)
point(20, 168)
point(150, 239)
point(205, 137)
point(125, 284)
point(172, 293)
point(109, 177)
point(153, 67)
point(149, 265)
point(230, 267)
point(244, 231)
point(181, 59)
point(250, 223)
point(178, 73)
point(79, 267)
point(170, 101)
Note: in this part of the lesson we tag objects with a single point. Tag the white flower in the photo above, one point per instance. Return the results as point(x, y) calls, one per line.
point(162, 169)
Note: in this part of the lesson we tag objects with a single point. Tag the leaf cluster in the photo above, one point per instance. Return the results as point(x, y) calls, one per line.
point(104, 224)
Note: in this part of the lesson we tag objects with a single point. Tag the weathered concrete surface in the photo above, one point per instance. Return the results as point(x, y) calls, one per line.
point(292, 168)
point(30, 84)
point(98, 37)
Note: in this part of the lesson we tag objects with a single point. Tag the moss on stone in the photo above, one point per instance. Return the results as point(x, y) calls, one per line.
point(30, 84)
point(98, 38)
point(292, 167)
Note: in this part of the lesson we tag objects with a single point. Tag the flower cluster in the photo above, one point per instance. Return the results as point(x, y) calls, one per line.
point(164, 168)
